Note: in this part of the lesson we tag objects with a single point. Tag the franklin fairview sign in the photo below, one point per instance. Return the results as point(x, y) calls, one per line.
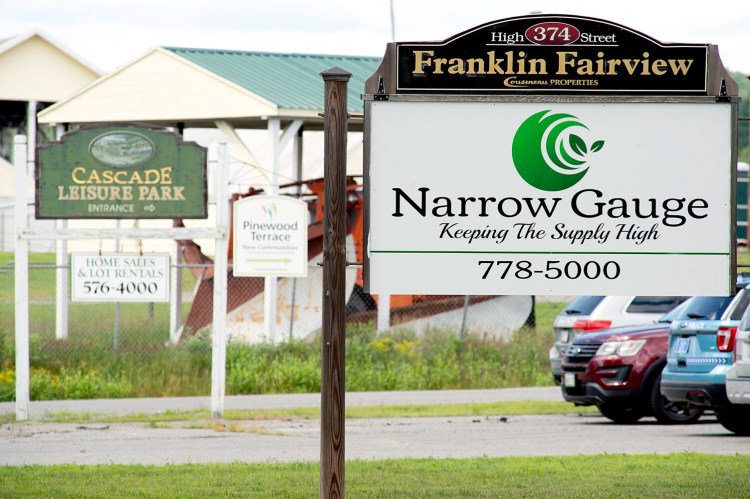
point(121, 172)
point(552, 54)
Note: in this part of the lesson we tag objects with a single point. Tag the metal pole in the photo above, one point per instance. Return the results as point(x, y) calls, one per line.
point(463, 319)
point(297, 155)
point(333, 345)
point(291, 311)
point(384, 313)
point(21, 282)
point(219, 333)
point(175, 295)
point(62, 299)
point(463, 325)
point(393, 24)
point(116, 332)
point(30, 136)
point(271, 284)
point(61, 284)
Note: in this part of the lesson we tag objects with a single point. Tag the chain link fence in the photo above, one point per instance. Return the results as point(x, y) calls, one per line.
point(135, 338)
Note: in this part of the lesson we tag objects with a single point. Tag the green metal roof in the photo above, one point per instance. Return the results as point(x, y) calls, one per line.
point(291, 81)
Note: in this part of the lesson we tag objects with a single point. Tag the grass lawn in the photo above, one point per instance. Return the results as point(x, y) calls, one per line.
point(664, 476)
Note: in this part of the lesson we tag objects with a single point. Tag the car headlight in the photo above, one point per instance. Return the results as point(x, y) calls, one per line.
point(622, 348)
point(564, 335)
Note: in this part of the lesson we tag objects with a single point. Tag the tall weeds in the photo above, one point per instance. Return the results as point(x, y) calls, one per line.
point(398, 360)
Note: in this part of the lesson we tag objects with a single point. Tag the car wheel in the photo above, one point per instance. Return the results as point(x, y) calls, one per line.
point(735, 419)
point(621, 414)
point(667, 412)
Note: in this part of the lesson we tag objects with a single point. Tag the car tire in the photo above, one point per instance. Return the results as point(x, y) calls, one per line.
point(621, 414)
point(735, 418)
point(667, 412)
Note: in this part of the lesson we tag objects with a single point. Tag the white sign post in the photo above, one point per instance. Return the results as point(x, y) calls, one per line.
point(21, 281)
point(120, 277)
point(270, 237)
point(551, 198)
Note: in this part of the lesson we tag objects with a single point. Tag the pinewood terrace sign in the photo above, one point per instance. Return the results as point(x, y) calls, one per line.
point(552, 54)
point(117, 171)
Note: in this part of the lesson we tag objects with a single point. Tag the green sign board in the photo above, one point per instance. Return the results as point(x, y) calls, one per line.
point(121, 171)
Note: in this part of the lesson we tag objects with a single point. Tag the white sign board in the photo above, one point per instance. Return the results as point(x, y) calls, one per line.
point(120, 277)
point(270, 237)
point(550, 198)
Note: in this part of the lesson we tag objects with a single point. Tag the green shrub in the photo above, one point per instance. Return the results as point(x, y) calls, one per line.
point(89, 384)
point(45, 385)
point(68, 384)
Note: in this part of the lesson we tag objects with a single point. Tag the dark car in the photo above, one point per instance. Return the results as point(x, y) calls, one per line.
point(592, 313)
point(619, 371)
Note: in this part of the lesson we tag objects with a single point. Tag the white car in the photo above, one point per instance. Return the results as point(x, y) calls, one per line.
point(591, 313)
point(736, 416)
point(738, 375)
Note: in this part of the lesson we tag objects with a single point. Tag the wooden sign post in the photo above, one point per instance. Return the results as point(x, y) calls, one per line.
point(332, 389)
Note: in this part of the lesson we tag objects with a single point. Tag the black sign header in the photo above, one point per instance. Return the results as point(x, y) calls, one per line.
point(552, 54)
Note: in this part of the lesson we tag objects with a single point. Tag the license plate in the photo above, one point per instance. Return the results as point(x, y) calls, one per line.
point(564, 335)
point(570, 380)
point(681, 345)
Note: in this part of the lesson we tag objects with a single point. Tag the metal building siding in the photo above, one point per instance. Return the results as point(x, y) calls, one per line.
point(291, 81)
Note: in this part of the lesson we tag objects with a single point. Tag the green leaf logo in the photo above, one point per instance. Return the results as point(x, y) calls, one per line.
point(578, 145)
point(548, 154)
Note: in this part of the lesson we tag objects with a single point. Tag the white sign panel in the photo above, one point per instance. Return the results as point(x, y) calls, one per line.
point(270, 236)
point(120, 277)
point(550, 198)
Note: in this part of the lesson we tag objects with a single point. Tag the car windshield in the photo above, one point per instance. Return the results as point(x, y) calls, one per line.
point(740, 305)
point(583, 305)
point(704, 307)
point(674, 313)
point(745, 323)
point(654, 304)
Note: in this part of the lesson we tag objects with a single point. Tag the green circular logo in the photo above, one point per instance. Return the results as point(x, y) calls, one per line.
point(548, 153)
point(122, 149)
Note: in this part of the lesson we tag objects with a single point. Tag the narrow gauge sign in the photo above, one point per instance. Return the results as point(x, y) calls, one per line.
point(120, 277)
point(550, 198)
point(269, 237)
point(118, 171)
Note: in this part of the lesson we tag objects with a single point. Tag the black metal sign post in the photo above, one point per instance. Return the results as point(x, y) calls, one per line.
point(332, 389)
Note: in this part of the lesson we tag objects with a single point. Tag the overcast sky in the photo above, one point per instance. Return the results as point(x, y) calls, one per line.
point(110, 34)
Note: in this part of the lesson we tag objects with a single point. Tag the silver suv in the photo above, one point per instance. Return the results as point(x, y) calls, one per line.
point(592, 313)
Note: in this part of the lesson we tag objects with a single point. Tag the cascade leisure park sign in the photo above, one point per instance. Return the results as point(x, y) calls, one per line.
point(121, 171)
point(592, 160)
